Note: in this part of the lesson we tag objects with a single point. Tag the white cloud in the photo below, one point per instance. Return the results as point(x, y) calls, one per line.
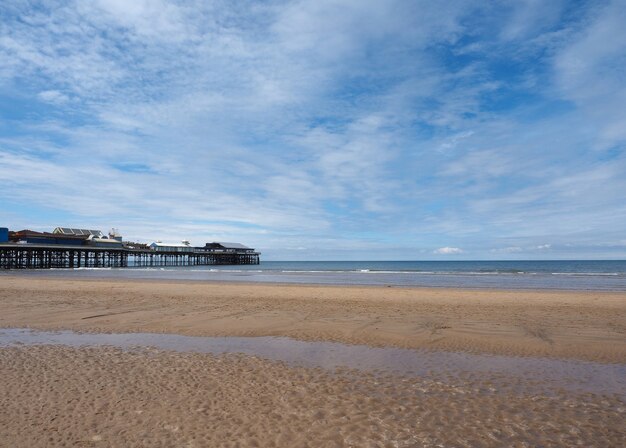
point(448, 251)
point(530, 17)
point(507, 250)
point(53, 96)
point(155, 19)
point(589, 71)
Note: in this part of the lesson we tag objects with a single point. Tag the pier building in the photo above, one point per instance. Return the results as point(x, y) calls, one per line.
point(74, 248)
point(31, 237)
point(158, 246)
point(228, 248)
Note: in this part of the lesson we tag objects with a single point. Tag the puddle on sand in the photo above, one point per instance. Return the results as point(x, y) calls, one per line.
point(528, 374)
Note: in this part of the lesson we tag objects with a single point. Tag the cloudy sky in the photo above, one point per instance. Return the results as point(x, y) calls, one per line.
point(320, 129)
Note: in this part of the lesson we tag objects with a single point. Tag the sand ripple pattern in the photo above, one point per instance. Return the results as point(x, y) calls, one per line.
point(106, 397)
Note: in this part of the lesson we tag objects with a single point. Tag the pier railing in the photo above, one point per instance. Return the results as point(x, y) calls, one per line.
point(31, 256)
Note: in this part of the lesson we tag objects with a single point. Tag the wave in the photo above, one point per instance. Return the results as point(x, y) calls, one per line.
point(365, 272)
point(87, 269)
point(414, 272)
point(256, 271)
point(600, 274)
point(401, 272)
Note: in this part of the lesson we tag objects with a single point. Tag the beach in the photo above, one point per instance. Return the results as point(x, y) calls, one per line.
point(55, 395)
point(580, 325)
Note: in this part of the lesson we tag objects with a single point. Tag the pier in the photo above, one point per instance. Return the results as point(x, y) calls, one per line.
point(33, 256)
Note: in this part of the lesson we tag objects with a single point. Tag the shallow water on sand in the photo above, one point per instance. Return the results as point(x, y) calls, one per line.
point(533, 375)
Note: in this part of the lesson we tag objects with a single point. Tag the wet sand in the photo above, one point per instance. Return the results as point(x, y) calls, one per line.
point(56, 395)
point(563, 324)
point(102, 397)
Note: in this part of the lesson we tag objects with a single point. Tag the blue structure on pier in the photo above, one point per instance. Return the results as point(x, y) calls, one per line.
point(4, 235)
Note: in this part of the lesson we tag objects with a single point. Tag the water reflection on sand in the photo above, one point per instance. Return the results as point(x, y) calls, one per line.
point(528, 374)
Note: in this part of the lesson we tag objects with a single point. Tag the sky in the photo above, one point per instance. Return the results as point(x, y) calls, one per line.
point(320, 129)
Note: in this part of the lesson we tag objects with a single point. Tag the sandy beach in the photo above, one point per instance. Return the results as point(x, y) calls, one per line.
point(54, 396)
point(108, 397)
point(578, 325)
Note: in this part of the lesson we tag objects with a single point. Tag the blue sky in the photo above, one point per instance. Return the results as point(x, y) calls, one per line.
point(321, 129)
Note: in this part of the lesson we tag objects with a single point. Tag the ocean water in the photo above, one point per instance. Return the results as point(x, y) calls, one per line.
point(571, 275)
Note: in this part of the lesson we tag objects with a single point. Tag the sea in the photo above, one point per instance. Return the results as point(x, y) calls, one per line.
point(558, 274)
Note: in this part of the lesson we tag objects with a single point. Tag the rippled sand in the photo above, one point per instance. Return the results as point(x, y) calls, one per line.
point(561, 324)
point(106, 397)
point(60, 396)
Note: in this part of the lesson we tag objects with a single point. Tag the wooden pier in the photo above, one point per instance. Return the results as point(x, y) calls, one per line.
point(31, 256)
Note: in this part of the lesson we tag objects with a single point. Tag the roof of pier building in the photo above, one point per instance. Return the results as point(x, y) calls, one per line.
point(228, 247)
point(223, 245)
point(77, 232)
